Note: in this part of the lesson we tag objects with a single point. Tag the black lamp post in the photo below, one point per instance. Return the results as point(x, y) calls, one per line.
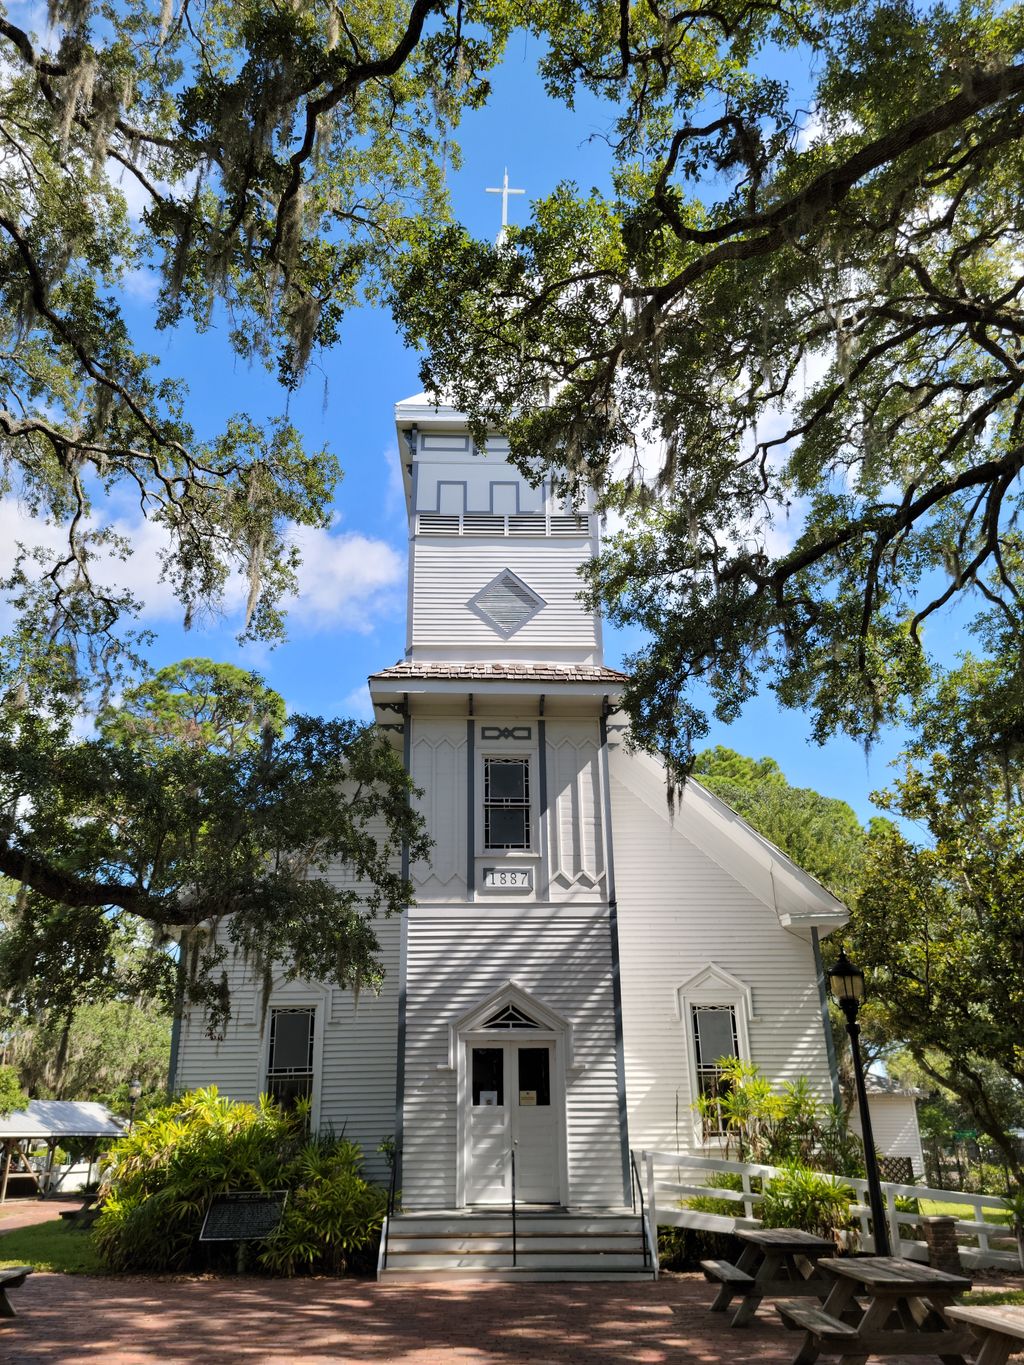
point(847, 985)
point(134, 1093)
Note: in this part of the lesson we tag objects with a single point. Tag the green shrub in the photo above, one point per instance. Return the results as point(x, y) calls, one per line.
point(718, 1180)
point(159, 1180)
point(685, 1248)
point(801, 1198)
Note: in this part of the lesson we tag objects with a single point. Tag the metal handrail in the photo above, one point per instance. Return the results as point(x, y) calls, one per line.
point(392, 1188)
point(636, 1186)
point(514, 1246)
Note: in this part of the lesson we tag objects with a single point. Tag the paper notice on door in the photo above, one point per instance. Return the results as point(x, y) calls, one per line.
point(527, 1098)
point(489, 1099)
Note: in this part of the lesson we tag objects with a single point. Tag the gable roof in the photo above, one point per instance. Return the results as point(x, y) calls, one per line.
point(799, 900)
point(61, 1118)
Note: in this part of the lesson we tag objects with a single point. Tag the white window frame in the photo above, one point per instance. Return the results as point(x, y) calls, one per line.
point(712, 985)
point(317, 1005)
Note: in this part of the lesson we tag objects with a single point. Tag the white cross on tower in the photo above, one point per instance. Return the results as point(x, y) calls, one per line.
point(504, 192)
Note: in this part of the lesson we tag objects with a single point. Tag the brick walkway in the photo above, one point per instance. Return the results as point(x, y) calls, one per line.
point(85, 1320)
point(75, 1320)
point(25, 1213)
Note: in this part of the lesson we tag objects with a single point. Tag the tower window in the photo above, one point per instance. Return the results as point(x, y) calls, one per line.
point(506, 803)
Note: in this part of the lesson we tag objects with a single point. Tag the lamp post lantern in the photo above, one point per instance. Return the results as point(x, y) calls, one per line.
point(134, 1094)
point(847, 985)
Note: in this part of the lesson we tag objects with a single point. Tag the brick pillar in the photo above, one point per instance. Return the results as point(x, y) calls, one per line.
point(940, 1235)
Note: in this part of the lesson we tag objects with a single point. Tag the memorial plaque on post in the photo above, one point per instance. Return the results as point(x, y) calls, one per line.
point(243, 1217)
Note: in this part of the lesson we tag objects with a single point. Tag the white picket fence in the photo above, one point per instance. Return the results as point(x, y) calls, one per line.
point(672, 1178)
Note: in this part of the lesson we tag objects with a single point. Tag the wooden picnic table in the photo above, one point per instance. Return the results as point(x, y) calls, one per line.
point(881, 1306)
point(774, 1262)
point(998, 1327)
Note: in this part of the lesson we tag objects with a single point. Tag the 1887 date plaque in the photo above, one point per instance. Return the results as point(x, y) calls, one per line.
point(246, 1217)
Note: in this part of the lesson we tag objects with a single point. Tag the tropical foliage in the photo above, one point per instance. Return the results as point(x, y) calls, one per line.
point(776, 1125)
point(159, 1179)
point(799, 1197)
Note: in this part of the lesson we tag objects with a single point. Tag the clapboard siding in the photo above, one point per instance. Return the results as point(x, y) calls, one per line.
point(894, 1127)
point(678, 911)
point(440, 769)
point(575, 842)
point(455, 963)
point(447, 576)
point(356, 1065)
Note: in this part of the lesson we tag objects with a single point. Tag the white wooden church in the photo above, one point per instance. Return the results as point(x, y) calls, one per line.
point(579, 954)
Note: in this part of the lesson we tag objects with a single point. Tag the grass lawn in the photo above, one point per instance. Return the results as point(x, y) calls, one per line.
point(51, 1246)
point(933, 1206)
point(995, 1296)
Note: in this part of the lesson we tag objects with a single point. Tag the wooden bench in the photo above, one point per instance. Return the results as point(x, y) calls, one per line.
point(12, 1278)
point(83, 1217)
point(827, 1330)
point(732, 1279)
point(999, 1328)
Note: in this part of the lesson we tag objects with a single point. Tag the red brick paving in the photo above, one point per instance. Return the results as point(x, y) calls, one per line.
point(25, 1213)
point(92, 1320)
point(72, 1318)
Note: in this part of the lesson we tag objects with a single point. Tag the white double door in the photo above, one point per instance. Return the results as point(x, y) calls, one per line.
point(513, 1103)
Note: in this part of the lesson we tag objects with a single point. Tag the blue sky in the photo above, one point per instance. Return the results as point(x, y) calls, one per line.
point(349, 618)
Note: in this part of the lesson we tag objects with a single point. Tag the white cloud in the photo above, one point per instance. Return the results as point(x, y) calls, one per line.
point(141, 284)
point(347, 580)
point(357, 704)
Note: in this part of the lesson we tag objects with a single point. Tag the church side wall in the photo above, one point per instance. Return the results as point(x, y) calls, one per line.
point(455, 961)
point(356, 1049)
point(679, 911)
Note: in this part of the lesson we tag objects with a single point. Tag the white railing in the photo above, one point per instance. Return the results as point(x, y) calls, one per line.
point(671, 1179)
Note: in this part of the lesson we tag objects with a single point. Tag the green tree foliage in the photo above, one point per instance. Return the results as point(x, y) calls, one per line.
point(785, 346)
point(821, 834)
point(197, 813)
point(159, 1179)
point(941, 922)
point(266, 164)
point(93, 1052)
point(12, 1096)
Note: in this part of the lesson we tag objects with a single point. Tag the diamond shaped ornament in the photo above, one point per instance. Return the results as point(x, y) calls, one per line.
point(506, 603)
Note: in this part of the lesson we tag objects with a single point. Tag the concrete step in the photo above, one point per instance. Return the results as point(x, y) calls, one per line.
point(559, 1246)
point(502, 1260)
point(483, 1242)
point(405, 1276)
point(497, 1224)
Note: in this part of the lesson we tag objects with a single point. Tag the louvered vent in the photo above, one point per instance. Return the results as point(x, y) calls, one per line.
point(506, 604)
point(482, 525)
point(527, 524)
point(438, 524)
point(569, 526)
